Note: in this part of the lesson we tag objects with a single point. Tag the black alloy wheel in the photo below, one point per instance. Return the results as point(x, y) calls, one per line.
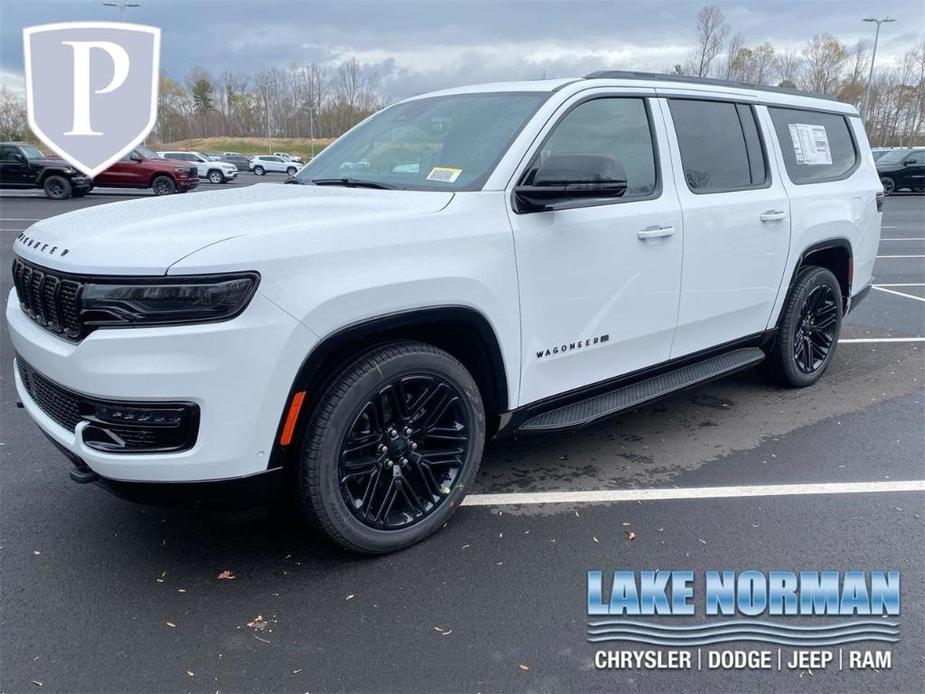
point(57, 187)
point(163, 185)
point(807, 333)
point(390, 447)
point(404, 451)
point(889, 185)
point(817, 329)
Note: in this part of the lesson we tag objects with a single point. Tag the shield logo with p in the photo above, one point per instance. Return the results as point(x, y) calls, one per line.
point(91, 88)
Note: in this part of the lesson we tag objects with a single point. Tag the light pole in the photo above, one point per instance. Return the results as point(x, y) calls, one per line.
point(311, 128)
point(121, 6)
point(873, 58)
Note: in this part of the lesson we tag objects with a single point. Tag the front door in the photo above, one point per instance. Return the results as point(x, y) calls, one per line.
point(736, 222)
point(912, 175)
point(599, 279)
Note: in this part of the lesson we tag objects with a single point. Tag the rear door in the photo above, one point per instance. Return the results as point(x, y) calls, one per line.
point(736, 221)
point(599, 279)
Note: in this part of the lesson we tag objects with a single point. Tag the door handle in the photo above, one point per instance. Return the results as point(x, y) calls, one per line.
point(654, 232)
point(773, 215)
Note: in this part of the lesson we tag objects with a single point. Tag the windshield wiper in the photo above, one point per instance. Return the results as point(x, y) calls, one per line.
point(351, 183)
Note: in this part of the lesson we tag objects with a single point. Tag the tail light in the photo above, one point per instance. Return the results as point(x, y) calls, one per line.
point(880, 197)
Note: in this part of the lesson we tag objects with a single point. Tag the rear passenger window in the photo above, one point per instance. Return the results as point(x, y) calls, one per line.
point(816, 146)
point(720, 145)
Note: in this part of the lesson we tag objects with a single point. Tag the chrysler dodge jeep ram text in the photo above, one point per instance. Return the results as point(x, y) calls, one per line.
point(517, 257)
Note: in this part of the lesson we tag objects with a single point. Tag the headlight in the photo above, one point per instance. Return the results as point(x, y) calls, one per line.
point(166, 300)
point(70, 170)
point(181, 169)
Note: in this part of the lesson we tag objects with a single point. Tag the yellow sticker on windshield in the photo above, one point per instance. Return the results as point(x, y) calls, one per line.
point(444, 174)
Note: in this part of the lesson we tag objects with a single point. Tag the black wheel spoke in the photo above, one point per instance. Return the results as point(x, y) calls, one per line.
point(816, 330)
point(404, 451)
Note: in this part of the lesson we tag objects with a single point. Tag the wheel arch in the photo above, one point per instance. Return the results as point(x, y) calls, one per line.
point(155, 174)
point(462, 331)
point(836, 255)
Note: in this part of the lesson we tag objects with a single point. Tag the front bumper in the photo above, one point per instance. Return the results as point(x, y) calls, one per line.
point(187, 183)
point(81, 183)
point(238, 373)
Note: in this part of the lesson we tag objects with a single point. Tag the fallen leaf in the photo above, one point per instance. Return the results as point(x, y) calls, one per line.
point(349, 597)
point(630, 535)
point(36, 683)
point(225, 575)
point(171, 625)
point(626, 525)
point(36, 553)
point(523, 666)
point(191, 674)
point(296, 672)
point(258, 623)
point(181, 590)
point(594, 538)
point(443, 632)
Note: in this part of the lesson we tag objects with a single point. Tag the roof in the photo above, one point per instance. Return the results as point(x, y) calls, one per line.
point(685, 79)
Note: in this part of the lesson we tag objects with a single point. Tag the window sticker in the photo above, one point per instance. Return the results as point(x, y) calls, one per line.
point(444, 174)
point(810, 144)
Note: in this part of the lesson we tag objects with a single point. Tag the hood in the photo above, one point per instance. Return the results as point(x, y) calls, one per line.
point(147, 236)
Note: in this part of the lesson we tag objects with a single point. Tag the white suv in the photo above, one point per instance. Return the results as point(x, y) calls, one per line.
point(213, 170)
point(285, 156)
point(519, 257)
point(266, 163)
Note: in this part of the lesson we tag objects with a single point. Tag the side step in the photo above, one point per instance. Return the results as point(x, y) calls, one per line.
point(633, 395)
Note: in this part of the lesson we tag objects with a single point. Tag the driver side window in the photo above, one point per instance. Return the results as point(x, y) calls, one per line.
point(615, 126)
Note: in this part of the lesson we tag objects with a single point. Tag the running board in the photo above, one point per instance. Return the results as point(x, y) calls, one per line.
point(585, 411)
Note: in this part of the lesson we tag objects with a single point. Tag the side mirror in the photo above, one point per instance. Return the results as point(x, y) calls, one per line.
point(908, 162)
point(20, 157)
point(571, 177)
point(134, 156)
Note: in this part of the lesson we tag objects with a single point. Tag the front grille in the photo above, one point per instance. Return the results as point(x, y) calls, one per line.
point(50, 298)
point(58, 403)
point(114, 426)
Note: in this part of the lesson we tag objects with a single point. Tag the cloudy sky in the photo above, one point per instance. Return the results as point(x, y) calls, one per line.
point(428, 44)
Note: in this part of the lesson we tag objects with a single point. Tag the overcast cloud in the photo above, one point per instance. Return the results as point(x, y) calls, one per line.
point(430, 44)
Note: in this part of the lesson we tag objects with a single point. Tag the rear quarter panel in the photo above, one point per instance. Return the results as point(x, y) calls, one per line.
point(843, 209)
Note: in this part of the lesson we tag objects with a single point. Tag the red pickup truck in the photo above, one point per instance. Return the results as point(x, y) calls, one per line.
point(142, 168)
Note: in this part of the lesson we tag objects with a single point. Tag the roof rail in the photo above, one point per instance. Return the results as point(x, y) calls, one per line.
point(661, 77)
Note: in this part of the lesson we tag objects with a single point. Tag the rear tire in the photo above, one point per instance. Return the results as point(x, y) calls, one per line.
point(391, 448)
point(291, 171)
point(258, 170)
point(57, 187)
point(808, 330)
point(889, 185)
point(216, 176)
point(163, 185)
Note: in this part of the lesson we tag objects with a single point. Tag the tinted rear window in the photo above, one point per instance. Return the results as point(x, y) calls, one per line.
point(816, 146)
point(720, 145)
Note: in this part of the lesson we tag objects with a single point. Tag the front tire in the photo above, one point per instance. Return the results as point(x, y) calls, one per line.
point(163, 185)
point(889, 185)
point(258, 171)
point(216, 177)
point(57, 187)
point(809, 328)
point(391, 448)
point(291, 171)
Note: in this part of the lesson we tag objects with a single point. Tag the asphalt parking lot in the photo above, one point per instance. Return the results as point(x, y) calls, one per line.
point(97, 594)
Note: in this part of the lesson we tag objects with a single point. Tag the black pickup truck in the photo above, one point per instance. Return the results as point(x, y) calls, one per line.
point(24, 166)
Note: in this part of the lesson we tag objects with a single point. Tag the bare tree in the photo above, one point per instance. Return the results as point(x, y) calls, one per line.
point(789, 66)
point(731, 68)
point(12, 116)
point(826, 58)
point(711, 33)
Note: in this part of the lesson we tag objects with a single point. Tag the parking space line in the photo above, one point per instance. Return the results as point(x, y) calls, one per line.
point(903, 294)
point(15, 219)
point(611, 495)
point(901, 256)
point(901, 284)
point(902, 239)
point(873, 340)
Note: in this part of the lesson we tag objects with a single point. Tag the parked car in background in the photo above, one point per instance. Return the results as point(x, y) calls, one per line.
point(902, 168)
point(211, 156)
point(239, 160)
point(214, 171)
point(142, 168)
point(267, 163)
point(25, 166)
point(285, 156)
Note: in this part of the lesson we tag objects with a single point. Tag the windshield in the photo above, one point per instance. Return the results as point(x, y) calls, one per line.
point(435, 143)
point(147, 153)
point(31, 152)
point(893, 155)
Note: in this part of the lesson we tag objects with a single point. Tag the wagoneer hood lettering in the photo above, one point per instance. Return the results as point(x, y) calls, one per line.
point(145, 237)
